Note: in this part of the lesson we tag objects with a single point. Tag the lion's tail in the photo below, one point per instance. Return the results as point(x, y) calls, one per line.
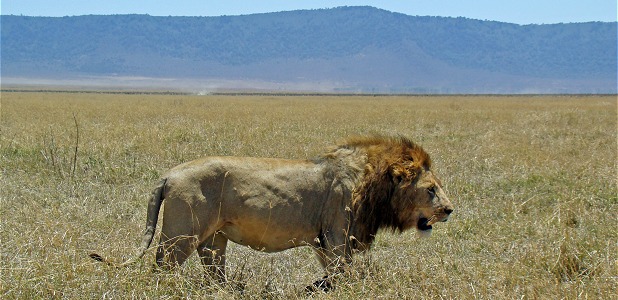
point(154, 205)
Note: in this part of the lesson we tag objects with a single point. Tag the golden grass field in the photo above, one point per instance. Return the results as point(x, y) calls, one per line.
point(532, 178)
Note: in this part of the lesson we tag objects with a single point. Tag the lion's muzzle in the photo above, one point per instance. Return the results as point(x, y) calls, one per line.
point(440, 216)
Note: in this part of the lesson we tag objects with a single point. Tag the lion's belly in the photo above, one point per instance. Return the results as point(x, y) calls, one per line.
point(266, 237)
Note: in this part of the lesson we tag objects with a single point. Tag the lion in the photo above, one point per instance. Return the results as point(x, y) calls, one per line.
point(335, 204)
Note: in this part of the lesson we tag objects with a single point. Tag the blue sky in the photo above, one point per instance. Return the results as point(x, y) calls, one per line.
point(512, 11)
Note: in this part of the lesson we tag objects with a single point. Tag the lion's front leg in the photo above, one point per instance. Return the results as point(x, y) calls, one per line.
point(212, 255)
point(335, 256)
point(334, 261)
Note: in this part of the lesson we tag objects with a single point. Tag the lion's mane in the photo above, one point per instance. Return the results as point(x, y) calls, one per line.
point(389, 160)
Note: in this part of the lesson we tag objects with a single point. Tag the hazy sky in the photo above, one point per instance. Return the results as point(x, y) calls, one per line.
point(512, 11)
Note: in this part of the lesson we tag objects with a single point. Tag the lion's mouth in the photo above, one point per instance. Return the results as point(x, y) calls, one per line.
point(423, 224)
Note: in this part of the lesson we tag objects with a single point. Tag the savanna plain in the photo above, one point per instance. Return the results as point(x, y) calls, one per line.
point(532, 179)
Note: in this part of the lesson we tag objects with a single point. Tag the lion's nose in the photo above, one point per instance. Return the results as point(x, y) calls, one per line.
point(448, 210)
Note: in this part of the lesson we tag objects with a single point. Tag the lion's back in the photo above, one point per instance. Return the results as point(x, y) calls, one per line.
point(249, 179)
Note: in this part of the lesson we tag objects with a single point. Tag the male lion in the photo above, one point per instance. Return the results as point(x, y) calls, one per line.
point(335, 203)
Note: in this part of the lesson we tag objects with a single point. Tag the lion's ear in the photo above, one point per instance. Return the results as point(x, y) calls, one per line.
point(402, 172)
point(398, 173)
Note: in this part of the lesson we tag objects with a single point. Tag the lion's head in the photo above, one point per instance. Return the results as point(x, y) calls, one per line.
point(422, 202)
point(398, 191)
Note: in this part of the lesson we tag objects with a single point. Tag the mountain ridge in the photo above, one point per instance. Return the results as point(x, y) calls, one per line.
point(347, 48)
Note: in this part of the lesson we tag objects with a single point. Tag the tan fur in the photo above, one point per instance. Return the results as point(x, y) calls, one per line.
point(335, 204)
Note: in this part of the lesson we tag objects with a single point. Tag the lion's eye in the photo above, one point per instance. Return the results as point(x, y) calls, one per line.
point(432, 191)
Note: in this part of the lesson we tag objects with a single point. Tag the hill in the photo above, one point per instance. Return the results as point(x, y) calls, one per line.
point(361, 49)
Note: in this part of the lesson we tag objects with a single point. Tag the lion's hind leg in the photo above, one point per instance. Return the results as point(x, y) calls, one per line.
point(174, 251)
point(179, 235)
point(212, 255)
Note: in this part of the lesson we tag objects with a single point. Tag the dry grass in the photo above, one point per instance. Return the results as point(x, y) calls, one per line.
point(533, 180)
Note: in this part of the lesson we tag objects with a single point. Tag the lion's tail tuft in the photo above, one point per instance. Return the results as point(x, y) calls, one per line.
point(100, 258)
point(96, 257)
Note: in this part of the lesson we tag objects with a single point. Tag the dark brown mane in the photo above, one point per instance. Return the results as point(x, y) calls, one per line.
point(389, 161)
